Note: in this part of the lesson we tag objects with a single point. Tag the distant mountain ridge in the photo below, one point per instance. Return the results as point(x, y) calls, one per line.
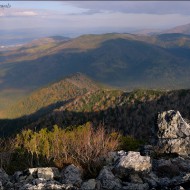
point(183, 29)
point(125, 61)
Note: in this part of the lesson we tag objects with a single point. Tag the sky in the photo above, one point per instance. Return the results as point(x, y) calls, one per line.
point(72, 18)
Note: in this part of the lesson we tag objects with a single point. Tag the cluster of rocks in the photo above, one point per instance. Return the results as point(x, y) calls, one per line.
point(122, 170)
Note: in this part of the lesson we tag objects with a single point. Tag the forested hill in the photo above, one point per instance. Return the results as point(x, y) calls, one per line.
point(132, 113)
point(52, 96)
point(124, 60)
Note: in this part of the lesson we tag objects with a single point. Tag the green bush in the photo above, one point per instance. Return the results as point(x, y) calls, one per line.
point(129, 143)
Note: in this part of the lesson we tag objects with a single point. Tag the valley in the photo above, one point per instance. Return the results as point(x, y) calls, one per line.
point(124, 61)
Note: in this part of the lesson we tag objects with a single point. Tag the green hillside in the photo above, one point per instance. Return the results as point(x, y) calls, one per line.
point(125, 61)
point(133, 113)
point(48, 98)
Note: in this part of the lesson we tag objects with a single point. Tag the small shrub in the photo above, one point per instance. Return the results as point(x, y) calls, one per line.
point(87, 146)
point(129, 143)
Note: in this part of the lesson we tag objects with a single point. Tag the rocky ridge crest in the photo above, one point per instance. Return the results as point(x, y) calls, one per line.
point(122, 170)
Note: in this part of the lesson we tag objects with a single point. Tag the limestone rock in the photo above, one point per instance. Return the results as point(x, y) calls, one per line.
point(31, 171)
point(180, 146)
point(171, 125)
point(173, 133)
point(42, 184)
point(133, 162)
point(89, 185)
point(108, 180)
point(48, 173)
point(71, 175)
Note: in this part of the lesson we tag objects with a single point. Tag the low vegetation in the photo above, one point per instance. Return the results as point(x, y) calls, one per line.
point(82, 146)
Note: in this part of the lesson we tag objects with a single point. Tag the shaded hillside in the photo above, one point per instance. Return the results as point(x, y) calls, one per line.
point(132, 113)
point(126, 61)
point(57, 93)
point(118, 62)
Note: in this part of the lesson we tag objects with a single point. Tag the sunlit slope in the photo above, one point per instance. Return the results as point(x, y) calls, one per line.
point(133, 113)
point(126, 61)
point(51, 96)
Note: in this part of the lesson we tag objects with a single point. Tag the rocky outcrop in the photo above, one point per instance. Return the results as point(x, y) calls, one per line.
point(71, 175)
point(173, 133)
point(147, 174)
point(34, 179)
point(108, 180)
point(171, 125)
point(91, 184)
point(122, 170)
point(132, 162)
point(4, 178)
point(47, 173)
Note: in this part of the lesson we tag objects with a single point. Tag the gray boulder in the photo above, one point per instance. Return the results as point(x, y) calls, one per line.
point(173, 133)
point(112, 157)
point(135, 178)
point(91, 184)
point(42, 184)
point(71, 175)
point(152, 179)
point(1, 186)
point(47, 173)
point(171, 125)
point(182, 163)
point(18, 175)
point(4, 178)
point(165, 168)
point(133, 162)
point(108, 180)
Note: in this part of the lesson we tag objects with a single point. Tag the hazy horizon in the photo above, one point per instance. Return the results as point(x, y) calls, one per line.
point(28, 20)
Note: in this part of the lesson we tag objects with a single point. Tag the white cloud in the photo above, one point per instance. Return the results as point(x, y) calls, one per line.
point(24, 13)
point(1, 14)
point(146, 7)
point(18, 13)
point(96, 17)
